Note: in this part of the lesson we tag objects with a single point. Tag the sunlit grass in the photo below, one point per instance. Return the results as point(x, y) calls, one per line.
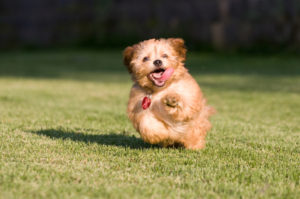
point(64, 131)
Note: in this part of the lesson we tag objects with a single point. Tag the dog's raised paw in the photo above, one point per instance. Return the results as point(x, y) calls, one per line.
point(171, 100)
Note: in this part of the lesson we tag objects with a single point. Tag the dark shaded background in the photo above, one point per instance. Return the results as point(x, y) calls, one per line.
point(204, 24)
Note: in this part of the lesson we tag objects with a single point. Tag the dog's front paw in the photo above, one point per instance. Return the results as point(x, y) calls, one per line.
point(171, 100)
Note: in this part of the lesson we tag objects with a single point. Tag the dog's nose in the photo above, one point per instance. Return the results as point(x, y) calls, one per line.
point(157, 63)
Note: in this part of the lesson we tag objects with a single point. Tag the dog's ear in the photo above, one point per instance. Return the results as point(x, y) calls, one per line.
point(178, 45)
point(127, 57)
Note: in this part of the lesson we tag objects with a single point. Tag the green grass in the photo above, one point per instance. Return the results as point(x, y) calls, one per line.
point(64, 131)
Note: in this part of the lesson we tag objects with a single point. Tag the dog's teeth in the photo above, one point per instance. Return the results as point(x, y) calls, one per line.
point(157, 75)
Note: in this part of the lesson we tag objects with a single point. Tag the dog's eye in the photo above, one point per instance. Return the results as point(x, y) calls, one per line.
point(165, 56)
point(145, 59)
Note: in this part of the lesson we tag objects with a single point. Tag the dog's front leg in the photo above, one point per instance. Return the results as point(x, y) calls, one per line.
point(176, 108)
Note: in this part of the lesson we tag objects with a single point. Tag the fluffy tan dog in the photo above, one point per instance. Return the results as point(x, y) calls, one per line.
point(166, 105)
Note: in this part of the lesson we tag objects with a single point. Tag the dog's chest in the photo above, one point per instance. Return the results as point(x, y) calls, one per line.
point(156, 117)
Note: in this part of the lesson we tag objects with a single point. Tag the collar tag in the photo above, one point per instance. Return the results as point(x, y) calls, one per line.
point(146, 102)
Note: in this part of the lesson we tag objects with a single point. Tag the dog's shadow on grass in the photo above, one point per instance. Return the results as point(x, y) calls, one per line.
point(111, 139)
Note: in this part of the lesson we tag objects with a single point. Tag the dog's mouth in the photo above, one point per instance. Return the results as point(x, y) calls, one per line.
point(160, 76)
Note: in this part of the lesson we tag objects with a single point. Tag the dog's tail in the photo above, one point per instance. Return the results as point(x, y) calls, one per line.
point(207, 110)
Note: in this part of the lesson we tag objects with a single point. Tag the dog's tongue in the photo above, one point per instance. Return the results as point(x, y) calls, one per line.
point(167, 74)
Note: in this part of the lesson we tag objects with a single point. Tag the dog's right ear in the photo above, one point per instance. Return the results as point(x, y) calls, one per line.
point(127, 57)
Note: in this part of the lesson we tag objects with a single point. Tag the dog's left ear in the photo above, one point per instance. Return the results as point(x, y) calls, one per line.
point(127, 57)
point(178, 45)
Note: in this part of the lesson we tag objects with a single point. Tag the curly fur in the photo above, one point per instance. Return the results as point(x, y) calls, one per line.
point(178, 114)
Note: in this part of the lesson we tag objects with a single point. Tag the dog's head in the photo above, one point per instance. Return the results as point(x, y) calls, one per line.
point(154, 63)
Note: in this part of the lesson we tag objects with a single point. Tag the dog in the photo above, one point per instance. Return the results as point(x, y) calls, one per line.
point(166, 105)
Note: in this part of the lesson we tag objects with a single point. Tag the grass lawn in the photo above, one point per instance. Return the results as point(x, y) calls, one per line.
point(64, 131)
